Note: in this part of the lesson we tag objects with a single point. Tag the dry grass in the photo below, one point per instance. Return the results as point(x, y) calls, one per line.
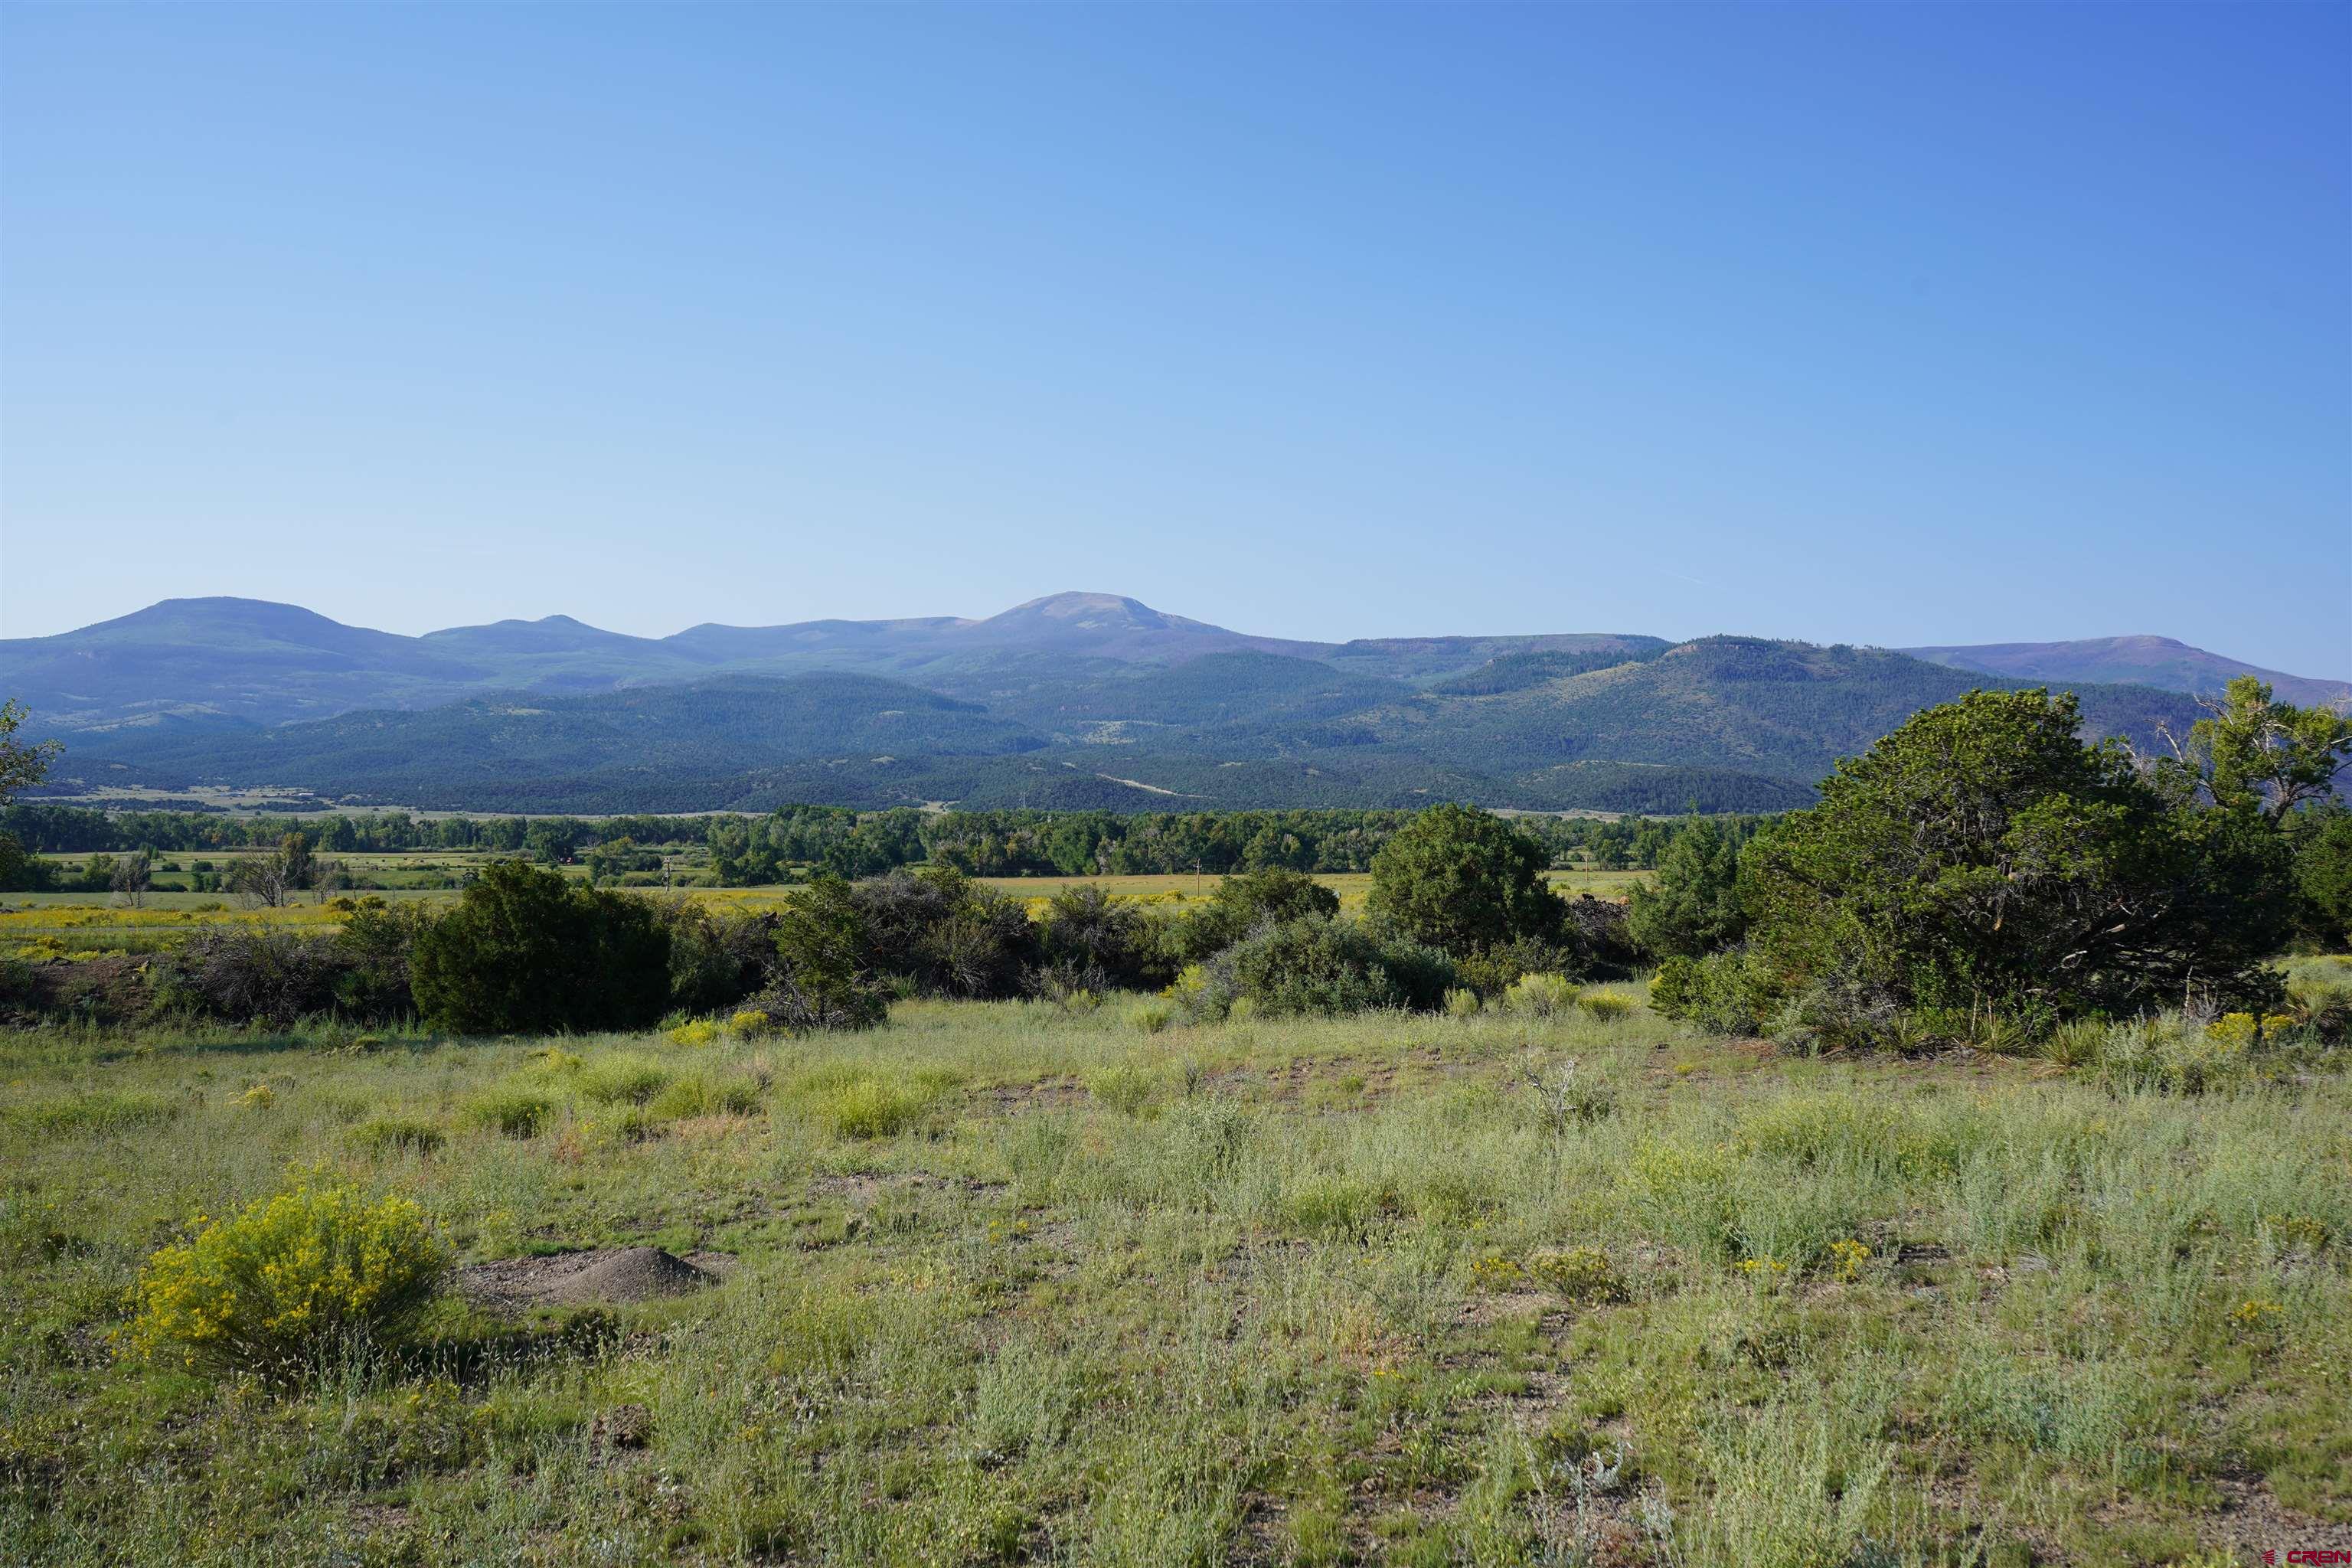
point(1004, 1282)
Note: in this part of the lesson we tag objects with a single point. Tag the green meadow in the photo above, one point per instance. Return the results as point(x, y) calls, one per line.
point(1028, 1282)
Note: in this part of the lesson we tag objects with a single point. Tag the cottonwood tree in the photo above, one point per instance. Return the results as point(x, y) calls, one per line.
point(295, 857)
point(270, 881)
point(133, 875)
point(259, 879)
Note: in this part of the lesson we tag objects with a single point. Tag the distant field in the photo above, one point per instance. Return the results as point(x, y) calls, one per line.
point(16, 909)
point(1352, 886)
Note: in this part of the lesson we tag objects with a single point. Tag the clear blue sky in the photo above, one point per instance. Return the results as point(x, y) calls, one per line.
point(1890, 325)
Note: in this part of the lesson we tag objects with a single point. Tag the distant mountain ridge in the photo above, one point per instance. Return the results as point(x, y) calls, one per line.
point(2162, 662)
point(267, 663)
point(1073, 701)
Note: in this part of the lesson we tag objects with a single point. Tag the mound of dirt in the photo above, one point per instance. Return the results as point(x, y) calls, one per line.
point(107, 990)
point(603, 1277)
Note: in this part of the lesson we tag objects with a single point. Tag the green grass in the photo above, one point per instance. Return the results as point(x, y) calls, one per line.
point(1018, 1284)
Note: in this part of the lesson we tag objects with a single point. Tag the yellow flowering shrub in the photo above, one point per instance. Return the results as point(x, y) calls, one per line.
point(2236, 1031)
point(2289, 1231)
point(694, 1032)
point(288, 1275)
point(2256, 1318)
point(1195, 994)
point(1581, 1274)
point(751, 1022)
point(1493, 1271)
point(2232, 1031)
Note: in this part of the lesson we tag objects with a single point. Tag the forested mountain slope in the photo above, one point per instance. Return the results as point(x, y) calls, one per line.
point(1727, 723)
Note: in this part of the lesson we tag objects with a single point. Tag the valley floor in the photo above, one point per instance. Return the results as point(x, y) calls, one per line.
point(1004, 1282)
point(1352, 886)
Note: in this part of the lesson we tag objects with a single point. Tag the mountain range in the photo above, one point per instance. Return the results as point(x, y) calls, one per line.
point(1076, 699)
point(2160, 662)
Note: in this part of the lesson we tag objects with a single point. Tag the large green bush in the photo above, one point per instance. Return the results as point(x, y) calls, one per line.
point(377, 942)
point(526, 953)
point(717, 957)
point(256, 974)
point(1982, 858)
point(252, 974)
point(1318, 965)
point(1464, 880)
point(1724, 993)
point(939, 932)
point(1242, 904)
point(824, 978)
point(1692, 905)
point(1096, 941)
point(2322, 838)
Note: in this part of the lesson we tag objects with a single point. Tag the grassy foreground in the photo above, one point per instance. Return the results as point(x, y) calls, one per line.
point(1012, 1283)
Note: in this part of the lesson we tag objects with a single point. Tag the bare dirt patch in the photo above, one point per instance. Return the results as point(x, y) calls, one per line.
point(371, 1517)
point(1049, 1093)
point(619, 1430)
point(606, 1276)
point(1290, 1081)
point(1488, 1309)
point(105, 990)
point(865, 1187)
point(2251, 1520)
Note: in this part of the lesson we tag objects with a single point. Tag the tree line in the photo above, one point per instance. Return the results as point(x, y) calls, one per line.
point(1458, 908)
point(795, 841)
point(1978, 873)
point(45, 827)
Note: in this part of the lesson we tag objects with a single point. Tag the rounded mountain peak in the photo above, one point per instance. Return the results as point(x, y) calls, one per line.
point(1094, 611)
